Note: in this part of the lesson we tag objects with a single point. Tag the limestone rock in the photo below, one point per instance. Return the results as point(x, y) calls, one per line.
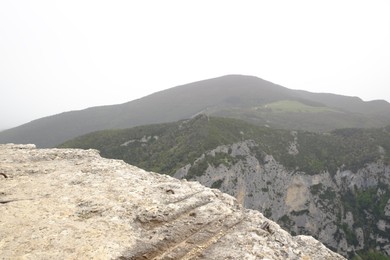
point(302, 203)
point(73, 204)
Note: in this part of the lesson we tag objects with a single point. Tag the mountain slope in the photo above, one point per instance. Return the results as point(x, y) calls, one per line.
point(166, 147)
point(334, 186)
point(236, 96)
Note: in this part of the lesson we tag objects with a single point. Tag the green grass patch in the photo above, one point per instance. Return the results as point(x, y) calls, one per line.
point(296, 106)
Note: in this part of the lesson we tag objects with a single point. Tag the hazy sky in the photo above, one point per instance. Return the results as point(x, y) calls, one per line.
point(58, 56)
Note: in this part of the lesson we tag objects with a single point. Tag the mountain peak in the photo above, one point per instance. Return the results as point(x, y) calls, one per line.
point(238, 96)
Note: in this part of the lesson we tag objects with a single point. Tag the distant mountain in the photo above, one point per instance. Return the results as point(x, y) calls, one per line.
point(244, 97)
point(334, 186)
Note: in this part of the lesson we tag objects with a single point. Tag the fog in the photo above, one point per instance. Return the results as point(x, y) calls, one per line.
point(58, 56)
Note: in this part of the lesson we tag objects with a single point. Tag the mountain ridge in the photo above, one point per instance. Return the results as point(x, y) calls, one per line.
point(234, 96)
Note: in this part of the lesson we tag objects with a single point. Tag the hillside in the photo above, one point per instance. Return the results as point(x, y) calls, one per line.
point(244, 97)
point(333, 186)
point(73, 204)
point(167, 147)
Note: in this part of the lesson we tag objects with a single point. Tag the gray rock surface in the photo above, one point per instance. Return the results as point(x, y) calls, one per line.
point(73, 204)
point(301, 203)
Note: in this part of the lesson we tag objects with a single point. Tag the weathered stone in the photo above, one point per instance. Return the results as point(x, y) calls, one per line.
point(73, 204)
point(300, 202)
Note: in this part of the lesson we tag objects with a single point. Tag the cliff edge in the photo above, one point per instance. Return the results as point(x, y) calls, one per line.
point(73, 204)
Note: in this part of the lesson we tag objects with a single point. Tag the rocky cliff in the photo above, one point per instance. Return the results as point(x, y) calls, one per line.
point(347, 211)
point(73, 204)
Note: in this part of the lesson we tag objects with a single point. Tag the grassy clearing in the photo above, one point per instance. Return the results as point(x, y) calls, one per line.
point(296, 106)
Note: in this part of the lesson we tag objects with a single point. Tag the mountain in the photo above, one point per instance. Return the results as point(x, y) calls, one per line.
point(334, 186)
point(245, 97)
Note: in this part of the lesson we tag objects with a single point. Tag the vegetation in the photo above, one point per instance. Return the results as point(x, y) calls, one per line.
point(167, 147)
point(217, 184)
point(368, 201)
point(350, 235)
point(300, 212)
point(345, 148)
point(370, 255)
point(367, 206)
point(286, 222)
point(316, 189)
point(296, 106)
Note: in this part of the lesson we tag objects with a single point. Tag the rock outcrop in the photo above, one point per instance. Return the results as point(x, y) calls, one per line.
point(347, 211)
point(73, 204)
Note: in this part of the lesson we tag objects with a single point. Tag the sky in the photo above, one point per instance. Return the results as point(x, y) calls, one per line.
point(58, 56)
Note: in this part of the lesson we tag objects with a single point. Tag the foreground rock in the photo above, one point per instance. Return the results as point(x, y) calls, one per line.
point(73, 204)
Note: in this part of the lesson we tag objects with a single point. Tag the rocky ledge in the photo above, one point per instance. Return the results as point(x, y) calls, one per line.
point(73, 204)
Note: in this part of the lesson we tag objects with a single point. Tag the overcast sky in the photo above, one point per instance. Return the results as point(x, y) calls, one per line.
point(58, 56)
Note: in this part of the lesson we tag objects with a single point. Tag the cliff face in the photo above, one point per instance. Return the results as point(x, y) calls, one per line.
point(68, 203)
point(347, 211)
